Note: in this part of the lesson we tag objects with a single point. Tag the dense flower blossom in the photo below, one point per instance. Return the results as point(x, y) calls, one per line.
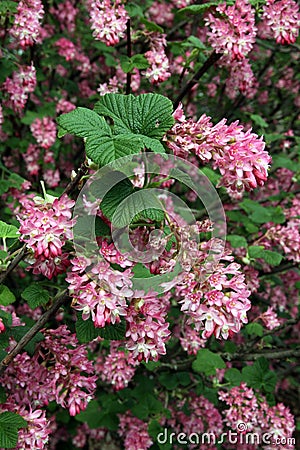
point(135, 433)
point(31, 158)
point(60, 371)
point(202, 416)
point(66, 13)
point(85, 434)
point(281, 21)
point(44, 131)
point(117, 368)
point(19, 87)
point(257, 415)
point(233, 33)
point(161, 13)
point(66, 48)
point(45, 227)
point(27, 24)
point(269, 319)
point(241, 80)
point(157, 58)
point(239, 155)
point(190, 340)
point(147, 328)
point(108, 20)
point(100, 292)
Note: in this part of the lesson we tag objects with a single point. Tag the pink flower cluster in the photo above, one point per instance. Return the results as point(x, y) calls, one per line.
point(157, 58)
point(241, 80)
point(45, 228)
point(108, 20)
point(135, 433)
point(27, 24)
point(280, 20)
point(99, 292)
point(66, 13)
point(19, 87)
point(203, 417)
point(232, 29)
point(117, 368)
point(239, 155)
point(59, 370)
point(44, 131)
point(147, 328)
point(258, 416)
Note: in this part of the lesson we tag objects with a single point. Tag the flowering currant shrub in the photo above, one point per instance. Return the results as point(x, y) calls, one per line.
point(150, 224)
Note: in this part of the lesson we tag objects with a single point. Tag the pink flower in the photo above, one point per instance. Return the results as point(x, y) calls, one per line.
point(281, 20)
point(19, 87)
point(27, 24)
point(44, 131)
point(232, 31)
point(156, 56)
point(108, 20)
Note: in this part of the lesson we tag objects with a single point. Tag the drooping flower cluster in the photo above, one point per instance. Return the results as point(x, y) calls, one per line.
point(99, 292)
point(59, 370)
point(44, 131)
point(147, 328)
point(232, 31)
point(45, 227)
point(157, 58)
point(108, 20)
point(66, 13)
point(117, 368)
point(280, 21)
point(239, 155)
point(202, 417)
point(19, 87)
point(134, 432)
point(257, 415)
point(27, 24)
point(241, 80)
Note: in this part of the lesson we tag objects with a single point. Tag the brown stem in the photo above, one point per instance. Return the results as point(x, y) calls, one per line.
point(72, 185)
point(13, 264)
point(203, 69)
point(57, 303)
point(270, 354)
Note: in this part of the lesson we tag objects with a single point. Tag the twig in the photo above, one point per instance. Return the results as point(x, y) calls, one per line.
point(128, 76)
point(58, 301)
point(13, 264)
point(72, 185)
point(270, 354)
point(187, 88)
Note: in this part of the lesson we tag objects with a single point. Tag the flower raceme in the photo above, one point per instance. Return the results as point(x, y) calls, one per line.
point(239, 155)
point(45, 228)
point(108, 20)
point(27, 25)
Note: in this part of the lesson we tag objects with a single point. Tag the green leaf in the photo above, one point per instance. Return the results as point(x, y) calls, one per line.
point(255, 329)
point(7, 6)
point(237, 241)
point(234, 376)
point(3, 395)
point(258, 120)
point(139, 61)
point(8, 231)
point(151, 26)
point(258, 251)
point(207, 362)
point(146, 406)
point(90, 415)
point(82, 122)
point(146, 114)
point(197, 9)
point(6, 296)
point(258, 376)
point(103, 148)
point(141, 202)
point(9, 425)
point(116, 195)
point(86, 331)
point(101, 228)
point(35, 295)
point(195, 42)
point(281, 160)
